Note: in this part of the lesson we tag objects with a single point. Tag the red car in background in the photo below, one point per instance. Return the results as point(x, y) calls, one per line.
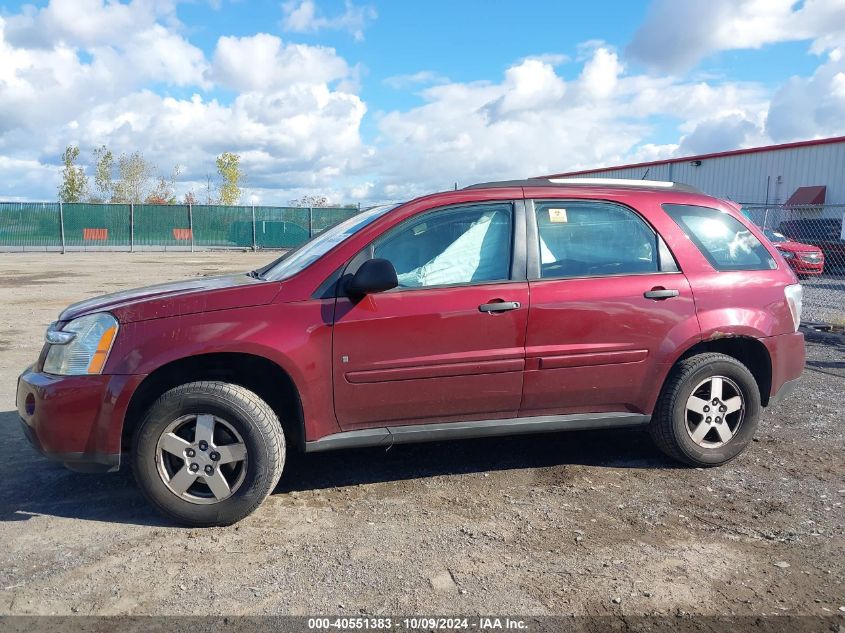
point(805, 259)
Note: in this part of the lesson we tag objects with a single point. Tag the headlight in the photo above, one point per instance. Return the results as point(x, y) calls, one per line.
point(81, 346)
point(786, 254)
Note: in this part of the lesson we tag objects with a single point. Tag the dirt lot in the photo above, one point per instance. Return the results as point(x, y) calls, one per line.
point(583, 523)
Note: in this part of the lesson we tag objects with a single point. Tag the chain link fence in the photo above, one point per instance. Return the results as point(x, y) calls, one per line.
point(812, 241)
point(810, 238)
point(54, 226)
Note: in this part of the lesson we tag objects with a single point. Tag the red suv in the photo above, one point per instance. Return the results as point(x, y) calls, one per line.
point(504, 308)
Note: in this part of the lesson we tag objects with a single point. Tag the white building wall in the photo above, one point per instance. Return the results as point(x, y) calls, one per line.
point(744, 177)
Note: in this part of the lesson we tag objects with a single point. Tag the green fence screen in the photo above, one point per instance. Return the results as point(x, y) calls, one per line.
point(54, 226)
point(33, 224)
point(97, 225)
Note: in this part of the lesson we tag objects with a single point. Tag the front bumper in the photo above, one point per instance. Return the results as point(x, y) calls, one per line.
point(77, 420)
point(806, 268)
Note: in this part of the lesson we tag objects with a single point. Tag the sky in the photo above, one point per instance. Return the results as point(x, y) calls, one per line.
point(366, 102)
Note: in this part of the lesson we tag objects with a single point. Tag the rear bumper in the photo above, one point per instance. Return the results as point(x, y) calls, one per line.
point(77, 420)
point(788, 357)
point(785, 390)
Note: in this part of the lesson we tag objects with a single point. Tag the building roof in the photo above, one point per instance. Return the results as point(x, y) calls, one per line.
point(804, 196)
point(684, 159)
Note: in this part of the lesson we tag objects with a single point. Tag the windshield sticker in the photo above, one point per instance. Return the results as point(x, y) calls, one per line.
point(557, 215)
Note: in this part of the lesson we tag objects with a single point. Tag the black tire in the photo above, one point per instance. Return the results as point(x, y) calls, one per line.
point(246, 413)
point(668, 426)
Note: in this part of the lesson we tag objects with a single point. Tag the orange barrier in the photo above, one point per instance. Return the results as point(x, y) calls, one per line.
point(95, 234)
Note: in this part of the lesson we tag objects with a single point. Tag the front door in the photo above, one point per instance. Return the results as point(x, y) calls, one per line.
point(447, 344)
point(609, 308)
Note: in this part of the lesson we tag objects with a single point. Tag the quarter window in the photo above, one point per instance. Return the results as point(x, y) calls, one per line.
point(722, 239)
point(459, 245)
point(594, 239)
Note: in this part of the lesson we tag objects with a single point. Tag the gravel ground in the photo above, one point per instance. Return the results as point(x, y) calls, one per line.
point(574, 523)
point(824, 299)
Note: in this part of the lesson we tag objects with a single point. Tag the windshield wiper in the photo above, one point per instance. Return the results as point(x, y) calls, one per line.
point(254, 274)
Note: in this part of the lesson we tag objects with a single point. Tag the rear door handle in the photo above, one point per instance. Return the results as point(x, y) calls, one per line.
point(660, 293)
point(498, 306)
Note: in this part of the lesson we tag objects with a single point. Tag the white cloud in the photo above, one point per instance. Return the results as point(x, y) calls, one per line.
point(811, 107)
point(423, 77)
point(294, 118)
point(292, 137)
point(295, 115)
point(679, 33)
point(554, 59)
point(20, 177)
point(158, 54)
point(601, 73)
point(263, 63)
point(535, 122)
point(716, 134)
point(86, 23)
point(303, 16)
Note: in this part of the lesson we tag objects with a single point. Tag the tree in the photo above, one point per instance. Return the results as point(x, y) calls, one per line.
point(74, 185)
point(103, 170)
point(229, 168)
point(191, 199)
point(209, 190)
point(135, 174)
point(311, 201)
point(164, 191)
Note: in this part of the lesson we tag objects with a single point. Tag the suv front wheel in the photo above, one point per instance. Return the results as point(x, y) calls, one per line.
point(208, 453)
point(708, 410)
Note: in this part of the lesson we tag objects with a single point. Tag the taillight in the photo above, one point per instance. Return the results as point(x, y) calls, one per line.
point(794, 294)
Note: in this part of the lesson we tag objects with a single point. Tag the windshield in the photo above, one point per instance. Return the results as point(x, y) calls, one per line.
point(774, 236)
point(299, 259)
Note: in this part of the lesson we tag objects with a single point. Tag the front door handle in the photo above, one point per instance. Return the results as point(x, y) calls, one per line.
point(660, 293)
point(498, 306)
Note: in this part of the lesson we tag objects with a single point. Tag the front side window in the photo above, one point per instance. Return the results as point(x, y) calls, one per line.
point(722, 239)
point(458, 245)
point(580, 238)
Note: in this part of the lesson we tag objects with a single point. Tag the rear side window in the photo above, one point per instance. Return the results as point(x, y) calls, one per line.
point(721, 238)
point(581, 238)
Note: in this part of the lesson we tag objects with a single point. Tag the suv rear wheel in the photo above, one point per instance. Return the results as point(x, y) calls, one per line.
point(208, 453)
point(708, 410)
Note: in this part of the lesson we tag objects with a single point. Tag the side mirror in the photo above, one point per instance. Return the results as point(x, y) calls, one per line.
point(374, 275)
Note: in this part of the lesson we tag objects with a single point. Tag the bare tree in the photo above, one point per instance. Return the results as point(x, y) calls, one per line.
point(164, 191)
point(135, 176)
point(311, 201)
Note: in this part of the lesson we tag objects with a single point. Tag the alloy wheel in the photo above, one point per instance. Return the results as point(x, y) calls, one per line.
point(714, 412)
point(201, 458)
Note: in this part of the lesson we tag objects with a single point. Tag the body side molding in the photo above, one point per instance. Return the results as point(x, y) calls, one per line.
point(408, 434)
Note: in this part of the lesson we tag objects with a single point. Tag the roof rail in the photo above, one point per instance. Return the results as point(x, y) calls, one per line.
point(588, 182)
point(612, 182)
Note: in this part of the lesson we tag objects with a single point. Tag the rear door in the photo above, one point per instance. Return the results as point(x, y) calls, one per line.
point(608, 307)
point(448, 343)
